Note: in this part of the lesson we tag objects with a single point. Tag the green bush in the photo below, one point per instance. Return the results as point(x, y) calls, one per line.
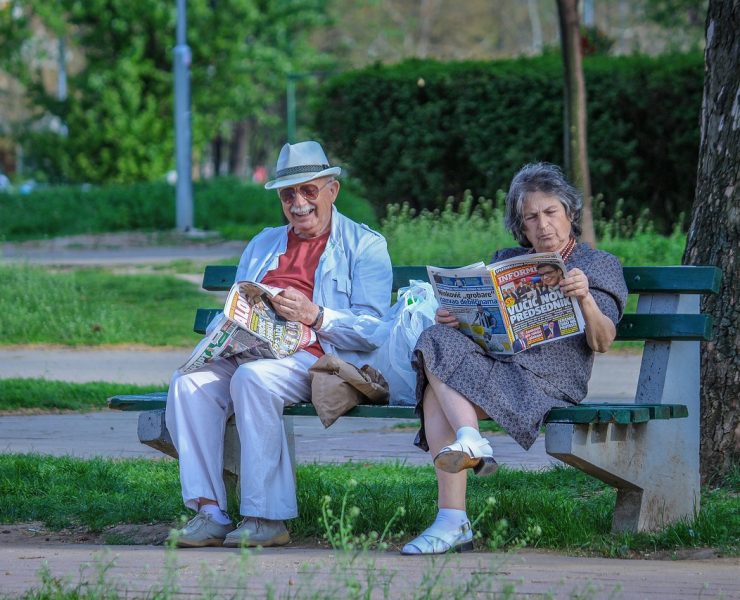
point(235, 209)
point(421, 131)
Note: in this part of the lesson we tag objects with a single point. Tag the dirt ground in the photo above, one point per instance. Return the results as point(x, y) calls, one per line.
point(154, 534)
point(35, 532)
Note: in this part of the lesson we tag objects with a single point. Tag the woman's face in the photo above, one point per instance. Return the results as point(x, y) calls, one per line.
point(546, 225)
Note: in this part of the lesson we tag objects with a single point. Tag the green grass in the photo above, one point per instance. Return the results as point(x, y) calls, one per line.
point(485, 426)
point(94, 306)
point(573, 510)
point(43, 395)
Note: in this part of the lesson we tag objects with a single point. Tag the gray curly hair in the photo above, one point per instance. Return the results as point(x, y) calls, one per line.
point(545, 178)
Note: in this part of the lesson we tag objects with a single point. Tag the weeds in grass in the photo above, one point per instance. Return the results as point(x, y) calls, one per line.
point(473, 230)
point(339, 529)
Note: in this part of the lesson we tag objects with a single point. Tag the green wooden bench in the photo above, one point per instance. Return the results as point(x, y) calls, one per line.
point(648, 449)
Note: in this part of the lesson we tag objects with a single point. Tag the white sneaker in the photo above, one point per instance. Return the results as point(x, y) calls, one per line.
point(467, 454)
point(258, 532)
point(201, 531)
point(434, 541)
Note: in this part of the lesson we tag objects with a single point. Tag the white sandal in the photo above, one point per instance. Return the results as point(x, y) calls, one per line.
point(464, 454)
point(433, 541)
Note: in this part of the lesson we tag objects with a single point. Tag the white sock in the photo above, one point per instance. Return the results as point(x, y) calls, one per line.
point(468, 433)
point(216, 514)
point(471, 437)
point(446, 525)
point(450, 519)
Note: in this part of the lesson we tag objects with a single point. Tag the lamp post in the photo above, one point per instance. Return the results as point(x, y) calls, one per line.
point(182, 60)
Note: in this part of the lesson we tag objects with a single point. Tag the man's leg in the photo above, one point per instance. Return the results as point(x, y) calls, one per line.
point(198, 405)
point(259, 391)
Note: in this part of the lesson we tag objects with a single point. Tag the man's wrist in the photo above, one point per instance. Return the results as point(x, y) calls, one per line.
point(316, 325)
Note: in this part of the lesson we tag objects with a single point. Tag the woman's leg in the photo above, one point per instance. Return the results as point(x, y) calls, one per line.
point(439, 433)
point(451, 528)
point(459, 411)
point(468, 449)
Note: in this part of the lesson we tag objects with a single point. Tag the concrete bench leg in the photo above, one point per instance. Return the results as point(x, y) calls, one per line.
point(153, 432)
point(645, 462)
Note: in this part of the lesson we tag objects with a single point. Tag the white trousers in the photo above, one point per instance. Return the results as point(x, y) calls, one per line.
point(255, 392)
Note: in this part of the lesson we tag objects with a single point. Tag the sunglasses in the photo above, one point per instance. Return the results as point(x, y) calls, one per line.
point(309, 191)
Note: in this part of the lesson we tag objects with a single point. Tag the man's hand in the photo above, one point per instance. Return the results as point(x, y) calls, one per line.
point(444, 317)
point(294, 306)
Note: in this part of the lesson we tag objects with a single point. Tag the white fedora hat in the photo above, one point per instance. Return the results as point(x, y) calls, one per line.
point(299, 163)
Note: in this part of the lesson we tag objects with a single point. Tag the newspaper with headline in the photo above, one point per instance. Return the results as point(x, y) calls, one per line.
point(509, 306)
point(250, 327)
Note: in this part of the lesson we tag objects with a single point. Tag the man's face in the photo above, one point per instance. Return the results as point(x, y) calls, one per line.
point(549, 274)
point(307, 206)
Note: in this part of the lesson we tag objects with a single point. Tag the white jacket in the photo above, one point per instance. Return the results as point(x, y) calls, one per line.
point(353, 282)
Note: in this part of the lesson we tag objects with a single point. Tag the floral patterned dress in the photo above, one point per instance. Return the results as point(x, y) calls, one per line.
point(518, 391)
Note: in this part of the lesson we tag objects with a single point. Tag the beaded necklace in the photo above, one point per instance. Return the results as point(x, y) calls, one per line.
point(567, 250)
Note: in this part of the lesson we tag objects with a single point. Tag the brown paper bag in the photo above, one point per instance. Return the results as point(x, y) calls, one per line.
point(338, 386)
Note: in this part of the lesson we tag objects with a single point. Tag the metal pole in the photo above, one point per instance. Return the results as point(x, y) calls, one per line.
point(182, 56)
point(61, 70)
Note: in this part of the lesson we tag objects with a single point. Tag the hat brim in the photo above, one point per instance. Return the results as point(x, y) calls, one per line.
point(282, 182)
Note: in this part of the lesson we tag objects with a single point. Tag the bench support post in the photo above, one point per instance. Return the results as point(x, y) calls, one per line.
point(653, 465)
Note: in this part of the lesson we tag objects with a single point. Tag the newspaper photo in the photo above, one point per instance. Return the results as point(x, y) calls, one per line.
point(249, 327)
point(512, 305)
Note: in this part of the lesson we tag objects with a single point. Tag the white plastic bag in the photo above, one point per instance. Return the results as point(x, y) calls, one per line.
point(396, 337)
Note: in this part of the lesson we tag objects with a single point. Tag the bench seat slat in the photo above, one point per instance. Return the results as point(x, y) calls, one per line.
point(151, 401)
point(623, 414)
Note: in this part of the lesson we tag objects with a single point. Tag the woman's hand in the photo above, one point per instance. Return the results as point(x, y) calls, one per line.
point(600, 331)
point(575, 284)
point(294, 306)
point(444, 317)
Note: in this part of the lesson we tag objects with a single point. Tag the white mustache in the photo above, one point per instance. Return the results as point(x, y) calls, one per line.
point(301, 211)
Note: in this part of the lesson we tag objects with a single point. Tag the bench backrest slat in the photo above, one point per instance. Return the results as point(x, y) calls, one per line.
point(640, 280)
point(631, 327)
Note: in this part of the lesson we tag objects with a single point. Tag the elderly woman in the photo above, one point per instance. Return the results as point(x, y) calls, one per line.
point(458, 384)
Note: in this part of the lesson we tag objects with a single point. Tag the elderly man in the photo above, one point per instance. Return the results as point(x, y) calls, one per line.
point(337, 279)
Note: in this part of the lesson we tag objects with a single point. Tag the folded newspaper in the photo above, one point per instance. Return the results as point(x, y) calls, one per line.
point(250, 327)
point(511, 305)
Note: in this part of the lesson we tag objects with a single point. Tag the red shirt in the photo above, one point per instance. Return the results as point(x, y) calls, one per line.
point(297, 268)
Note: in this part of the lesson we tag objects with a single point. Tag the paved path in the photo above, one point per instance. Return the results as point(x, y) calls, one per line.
point(120, 249)
point(296, 572)
point(112, 433)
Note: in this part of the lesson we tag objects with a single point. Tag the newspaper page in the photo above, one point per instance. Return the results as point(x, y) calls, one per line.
point(509, 306)
point(535, 309)
point(248, 304)
point(250, 327)
point(469, 294)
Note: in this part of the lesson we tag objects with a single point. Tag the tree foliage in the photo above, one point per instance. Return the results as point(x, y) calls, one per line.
point(116, 122)
point(421, 131)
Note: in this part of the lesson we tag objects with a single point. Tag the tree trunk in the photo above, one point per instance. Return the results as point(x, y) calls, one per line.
point(574, 119)
point(714, 238)
point(217, 145)
point(238, 149)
